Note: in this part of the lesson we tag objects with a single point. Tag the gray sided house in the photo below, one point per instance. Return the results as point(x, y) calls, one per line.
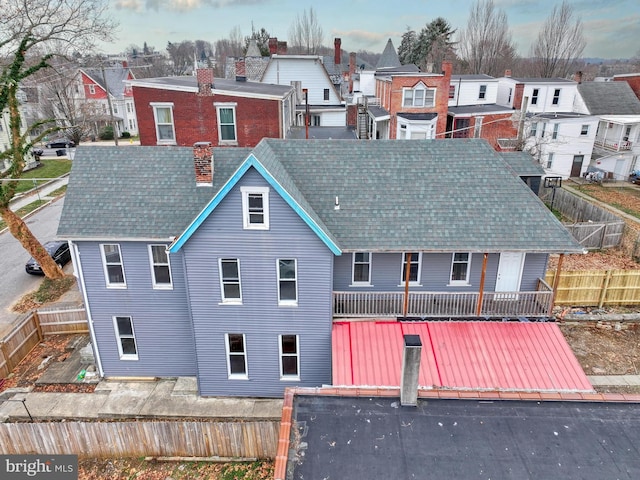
point(230, 264)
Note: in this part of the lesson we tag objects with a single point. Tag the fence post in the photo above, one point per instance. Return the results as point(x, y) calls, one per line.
point(36, 319)
point(7, 357)
point(605, 286)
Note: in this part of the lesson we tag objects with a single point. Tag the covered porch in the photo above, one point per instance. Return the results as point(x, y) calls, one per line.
point(616, 134)
point(444, 304)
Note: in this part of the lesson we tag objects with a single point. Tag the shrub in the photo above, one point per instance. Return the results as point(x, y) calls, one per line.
point(106, 133)
point(126, 135)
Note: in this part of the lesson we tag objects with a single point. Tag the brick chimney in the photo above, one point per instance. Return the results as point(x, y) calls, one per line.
point(352, 70)
point(410, 371)
point(282, 48)
point(337, 53)
point(273, 46)
point(203, 163)
point(577, 77)
point(241, 71)
point(447, 66)
point(507, 72)
point(205, 80)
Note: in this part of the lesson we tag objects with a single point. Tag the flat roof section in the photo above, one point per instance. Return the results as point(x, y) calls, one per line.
point(375, 437)
point(467, 355)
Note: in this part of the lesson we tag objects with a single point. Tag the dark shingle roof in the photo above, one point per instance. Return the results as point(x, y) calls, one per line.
point(523, 164)
point(486, 108)
point(609, 98)
point(421, 195)
point(113, 79)
point(190, 83)
point(389, 58)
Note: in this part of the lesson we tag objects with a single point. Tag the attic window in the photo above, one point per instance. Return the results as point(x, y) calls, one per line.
point(255, 208)
point(92, 89)
point(418, 96)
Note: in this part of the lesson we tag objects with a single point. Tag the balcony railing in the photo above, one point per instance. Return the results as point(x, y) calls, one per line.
point(444, 304)
point(613, 144)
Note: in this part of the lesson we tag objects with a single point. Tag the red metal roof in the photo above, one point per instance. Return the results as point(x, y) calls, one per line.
point(460, 355)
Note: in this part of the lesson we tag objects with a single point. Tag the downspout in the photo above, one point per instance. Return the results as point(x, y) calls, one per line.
point(407, 271)
point(80, 276)
point(482, 279)
point(556, 281)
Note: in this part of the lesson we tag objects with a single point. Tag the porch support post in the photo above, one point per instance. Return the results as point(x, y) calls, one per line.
point(556, 281)
point(482, 278)
point(407, 271)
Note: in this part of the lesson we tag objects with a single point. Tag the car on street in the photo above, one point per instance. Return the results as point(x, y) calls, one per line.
point(61, 142)
point(57, 249)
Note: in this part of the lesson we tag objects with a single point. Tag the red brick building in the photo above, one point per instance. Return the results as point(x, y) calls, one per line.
point(185, 110)
point(633, 79)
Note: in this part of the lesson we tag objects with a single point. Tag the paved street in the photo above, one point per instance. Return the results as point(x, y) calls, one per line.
point(14, 282)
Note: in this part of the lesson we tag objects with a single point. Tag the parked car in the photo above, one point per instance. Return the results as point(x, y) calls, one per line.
point(634, 177)
point(57, 249)
point(61, 142)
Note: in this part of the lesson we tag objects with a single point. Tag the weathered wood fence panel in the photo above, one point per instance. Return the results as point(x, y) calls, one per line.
point(587, 288)
point(31, 330)
point(238, 440)
point(594, 227)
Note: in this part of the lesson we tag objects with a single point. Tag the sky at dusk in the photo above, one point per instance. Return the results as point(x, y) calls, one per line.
point(611, 27)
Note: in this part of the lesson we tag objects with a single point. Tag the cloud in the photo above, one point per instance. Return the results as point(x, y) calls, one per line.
point(363, 39)
point(612, 38)
point(179, 5)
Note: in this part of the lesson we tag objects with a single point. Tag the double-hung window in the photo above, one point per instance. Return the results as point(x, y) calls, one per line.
point(460, 263)
point(326, 94)
point(534, 96)
point(554, 134)
point(236, 356)
point(160, 267)
point(452, 92)
point(287, 270)
point(113, 266)
point(556, 97)
point(255, 208)
point(482, 94)
point(126, 338)
point(226, 122)
point(163, 116)
point(289, 357)
point(419, 96)
point(584, 130)
point(230, 287)
point(361, 268)
point(550, 160)
point(414, 260)
point(533, 131)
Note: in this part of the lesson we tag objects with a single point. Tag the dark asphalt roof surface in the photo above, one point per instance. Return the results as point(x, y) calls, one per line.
point(362, 437)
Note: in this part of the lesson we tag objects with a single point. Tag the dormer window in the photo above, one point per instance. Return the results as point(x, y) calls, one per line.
point(418, 96)
point(255, 208)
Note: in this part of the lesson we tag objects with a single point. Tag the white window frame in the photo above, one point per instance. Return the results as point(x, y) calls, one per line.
point(533, 129)
point(453, 282)
point(510, 93)
point(482, 93)
point(246, 217)
point(477, 127)
point(164, 141)
point(120, 336)
point(284, 376)
point(556, 128)
point(556, 96)
point(156, 285)
point(584, 130)
point(409, 96)
point(229, 353)
point(360, 283)
point(223, 106)
point(403, 264)
point(534, 96)
point(105, 267)
point(549, 160)
point(92, 89)
point(294, 280)
point(231, 300)
point(326, 95)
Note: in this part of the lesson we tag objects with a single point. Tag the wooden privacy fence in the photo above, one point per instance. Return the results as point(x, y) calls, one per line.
point(32, 329)
point(590, 288)
point(238, 439)
point(593, 227)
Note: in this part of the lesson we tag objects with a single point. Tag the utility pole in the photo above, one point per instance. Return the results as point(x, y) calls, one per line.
point(113, 122)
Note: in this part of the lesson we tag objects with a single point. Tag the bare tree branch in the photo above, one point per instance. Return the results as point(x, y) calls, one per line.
point(305, 34)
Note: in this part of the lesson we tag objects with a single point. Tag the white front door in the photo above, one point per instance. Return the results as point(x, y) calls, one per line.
point(510, 271)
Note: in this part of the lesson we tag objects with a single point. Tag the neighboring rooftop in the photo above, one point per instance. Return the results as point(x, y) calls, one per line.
point(609, 98)
point(523, 163)
point(375, 437)
point(190, 84)
point(465, 77)
point(539, 80)
point(389, 58)
point(479, 109)
point(111, 77)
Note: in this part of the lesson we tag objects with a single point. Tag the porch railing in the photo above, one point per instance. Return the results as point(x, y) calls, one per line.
point(444, 304)
point(613, 144)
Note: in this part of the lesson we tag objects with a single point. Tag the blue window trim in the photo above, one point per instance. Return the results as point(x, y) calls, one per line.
point(251, 161)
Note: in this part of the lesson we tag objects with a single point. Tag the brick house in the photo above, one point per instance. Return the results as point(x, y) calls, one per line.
point(225, 112)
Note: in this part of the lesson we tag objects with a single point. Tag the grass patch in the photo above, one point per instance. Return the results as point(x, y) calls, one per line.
point(58, 191)
point(21, 212)
point(52, 168)
point(48, 291)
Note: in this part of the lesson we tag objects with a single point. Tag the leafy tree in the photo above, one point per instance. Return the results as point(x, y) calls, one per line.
point(407, 44)
point(28, 29)
point(559, 44)
point(262, 41)
point(485, 45)
point(430, 47)
point(306, 34)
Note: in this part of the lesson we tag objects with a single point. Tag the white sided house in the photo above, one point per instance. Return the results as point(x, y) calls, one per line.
point(307, 73)
point(467, 90)
point(544, 95)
